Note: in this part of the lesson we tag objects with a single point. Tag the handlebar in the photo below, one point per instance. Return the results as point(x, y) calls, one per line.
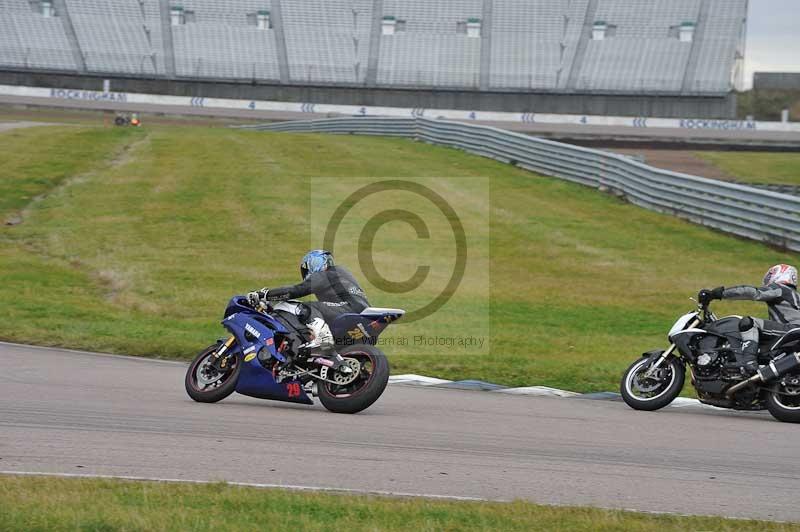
point(261, 306)
point(704, 309)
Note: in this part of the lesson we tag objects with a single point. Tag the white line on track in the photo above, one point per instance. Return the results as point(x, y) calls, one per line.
point(252, 485)
point(349, 491)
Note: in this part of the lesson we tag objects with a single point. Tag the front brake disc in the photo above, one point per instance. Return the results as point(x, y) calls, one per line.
point(648, 384)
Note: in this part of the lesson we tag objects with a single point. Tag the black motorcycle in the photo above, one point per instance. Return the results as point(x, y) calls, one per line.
point(707, 345)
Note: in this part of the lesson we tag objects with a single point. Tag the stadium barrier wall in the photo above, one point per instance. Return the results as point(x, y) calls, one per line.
point(749, 212)
point(108, 99)
point(709, 106)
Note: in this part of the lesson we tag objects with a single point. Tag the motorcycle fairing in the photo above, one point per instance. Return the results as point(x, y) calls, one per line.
point(363, 328)
point(790, 337)
point(725, 329)
point(681, 323)
point(256, 381)
point(254, 332)
point(683, 341)
point(239, 304)
point(251, 334)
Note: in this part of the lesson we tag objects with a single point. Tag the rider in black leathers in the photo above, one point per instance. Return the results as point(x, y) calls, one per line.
point(336, 289)
point(779, 292)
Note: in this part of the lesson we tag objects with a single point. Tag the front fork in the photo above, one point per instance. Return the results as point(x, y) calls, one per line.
point(667, 353)
point(661, 359)
point(221, 363)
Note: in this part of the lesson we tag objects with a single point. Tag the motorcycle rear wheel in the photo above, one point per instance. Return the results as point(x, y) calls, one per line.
point(205, 384)
point(785, 406)
point(365, 389)
point(652, 393)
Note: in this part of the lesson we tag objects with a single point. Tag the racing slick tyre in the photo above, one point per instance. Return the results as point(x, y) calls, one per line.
point(204, 383)
point(642, 392)
point(355, 391)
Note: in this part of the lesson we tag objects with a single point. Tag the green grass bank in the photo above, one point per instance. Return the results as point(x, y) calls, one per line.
point(131, 241)
point(777, 168)
point(52, 504)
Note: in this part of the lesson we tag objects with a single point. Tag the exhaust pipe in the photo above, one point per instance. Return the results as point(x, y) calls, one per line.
point(770, 372)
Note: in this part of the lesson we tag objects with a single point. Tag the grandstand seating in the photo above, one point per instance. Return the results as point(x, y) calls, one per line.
point(430, 51)
point(327, 40)
point(534, 42)
point(720, 38)
point(30, 40)
point(119, 35)
point(222, 41)
point(641, 54)
point(542, 45)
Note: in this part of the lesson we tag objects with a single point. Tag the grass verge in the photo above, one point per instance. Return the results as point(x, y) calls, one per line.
point(138, 238)
point(33, 504)
point(776, 168)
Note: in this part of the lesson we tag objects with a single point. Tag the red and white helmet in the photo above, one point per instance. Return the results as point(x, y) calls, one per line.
point(781, 274)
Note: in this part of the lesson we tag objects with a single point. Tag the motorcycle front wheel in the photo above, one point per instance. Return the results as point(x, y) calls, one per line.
point(204, 383)
point(642, 392)
point(356, 391)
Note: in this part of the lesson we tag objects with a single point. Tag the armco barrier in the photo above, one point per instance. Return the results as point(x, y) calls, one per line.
point(745, 211)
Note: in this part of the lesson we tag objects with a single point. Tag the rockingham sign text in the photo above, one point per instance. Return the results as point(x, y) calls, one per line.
point(70, 94)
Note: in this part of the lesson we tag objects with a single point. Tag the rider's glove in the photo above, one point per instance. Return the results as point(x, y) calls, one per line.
point(706, 296)
point(254, 298)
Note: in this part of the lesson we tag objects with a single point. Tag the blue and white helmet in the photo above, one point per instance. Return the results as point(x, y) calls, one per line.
point(781, 274)
point(314, 261)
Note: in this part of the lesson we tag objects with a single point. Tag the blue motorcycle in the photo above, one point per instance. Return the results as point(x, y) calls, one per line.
point(263, 358)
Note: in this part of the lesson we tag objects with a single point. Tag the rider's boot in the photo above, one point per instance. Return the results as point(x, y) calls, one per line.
point(747, 357)
point(323, 344)
point(322, 340)
point(747, 360)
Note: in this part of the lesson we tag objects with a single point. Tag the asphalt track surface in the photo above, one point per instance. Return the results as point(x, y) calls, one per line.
point(8, 126)
point(79, 413)
point(555, 131)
